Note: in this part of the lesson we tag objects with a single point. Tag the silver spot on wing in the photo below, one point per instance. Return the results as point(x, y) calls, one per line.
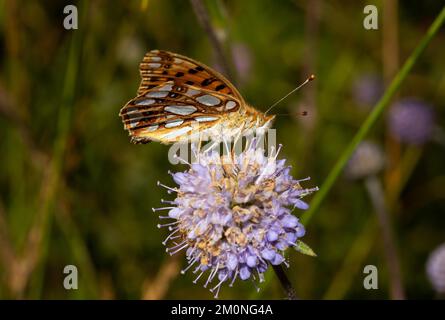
point(181, 110)
point(167, 87)
point(153, 65)
point(173, 123)
point(192, 92)
point(151, 128)
point(144, 102)
point(208, 100)
point(230, 104)
point(157, 94)
point(205, 118)
point(177, 133)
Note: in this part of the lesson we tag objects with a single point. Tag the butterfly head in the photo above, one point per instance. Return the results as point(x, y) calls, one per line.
point(266, 120)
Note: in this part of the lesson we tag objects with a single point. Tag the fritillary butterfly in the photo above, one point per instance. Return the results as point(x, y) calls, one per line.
point(180, 99)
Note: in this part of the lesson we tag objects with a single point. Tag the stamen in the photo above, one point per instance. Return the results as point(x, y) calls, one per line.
point(197, 269)
point(218, 286)
point(191, 252)
point(217, 292)
point(278, 151)
point(278, 172)
point(175, 237)
point(190, 265)
point(165, 217)
point(306, 192)
point(168, 224)
point(211, 275)
point(199, 276)
point(260, 276)
point(175, 156)
point(183, 247)
point(234, 278)
point(169, 237)
point(239, 134)
point(175, 246)
point(255, 285)
point(195, 147)
point(162, 208)
point(167, 187)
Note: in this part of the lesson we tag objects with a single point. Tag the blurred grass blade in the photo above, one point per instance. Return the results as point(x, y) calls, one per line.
point(373, 117)
point(67, 98)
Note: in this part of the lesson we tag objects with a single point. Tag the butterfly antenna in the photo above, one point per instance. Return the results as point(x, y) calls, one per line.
point(312, 77)
point(302, 113)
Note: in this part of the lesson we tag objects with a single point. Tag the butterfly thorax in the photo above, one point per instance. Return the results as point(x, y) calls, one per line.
point(246, 122)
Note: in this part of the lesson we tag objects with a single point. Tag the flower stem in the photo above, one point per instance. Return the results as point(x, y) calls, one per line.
point(375, 191)
point(285, 283)
point(373, 117)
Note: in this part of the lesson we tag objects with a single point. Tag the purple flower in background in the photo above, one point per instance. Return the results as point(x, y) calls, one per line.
point(367, 89)
point(411, 121)
point(367, 160)
point(435, 269)
point(233, 216)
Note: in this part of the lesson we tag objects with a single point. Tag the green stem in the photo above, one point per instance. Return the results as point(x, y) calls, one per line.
point(285, 282)
point(373, 117)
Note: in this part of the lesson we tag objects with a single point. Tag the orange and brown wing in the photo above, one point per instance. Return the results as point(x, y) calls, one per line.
point(165, 112)
point(160, 66)
point(176, 92)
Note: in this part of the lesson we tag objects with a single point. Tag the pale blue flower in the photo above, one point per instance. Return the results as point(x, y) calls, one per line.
point(233, 215)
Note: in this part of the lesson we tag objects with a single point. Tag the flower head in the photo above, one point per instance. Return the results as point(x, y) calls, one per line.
point(367, 90)
point(368, 159)
point(435, 268)
point(411, 121)
point(233, 215)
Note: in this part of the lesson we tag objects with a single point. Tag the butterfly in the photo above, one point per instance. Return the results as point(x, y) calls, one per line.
point(182, 100)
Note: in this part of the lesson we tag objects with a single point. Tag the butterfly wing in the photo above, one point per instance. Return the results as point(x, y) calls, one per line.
point(177, 95)
point(160, 66)
point(168, 111)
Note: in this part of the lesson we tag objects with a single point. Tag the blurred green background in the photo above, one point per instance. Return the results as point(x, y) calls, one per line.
point(74, 190)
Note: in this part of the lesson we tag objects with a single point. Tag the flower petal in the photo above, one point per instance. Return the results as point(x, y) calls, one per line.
point(268, 254)
point(244, 273)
